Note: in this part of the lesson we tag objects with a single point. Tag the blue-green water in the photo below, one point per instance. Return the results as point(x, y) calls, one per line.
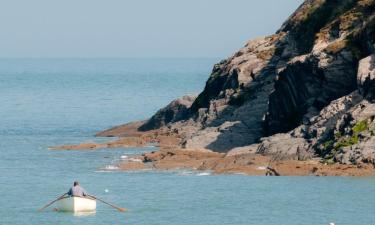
point(48, 102)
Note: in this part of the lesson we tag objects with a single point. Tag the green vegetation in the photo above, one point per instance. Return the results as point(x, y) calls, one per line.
point(329, 161)
point(338, 135)
point(360, 126)
point(339, 141)
point(347, 142)
point(328, 144)
point(360, 35)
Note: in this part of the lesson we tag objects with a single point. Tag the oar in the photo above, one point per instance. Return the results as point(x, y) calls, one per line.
point(52, 202)
point(116, 207)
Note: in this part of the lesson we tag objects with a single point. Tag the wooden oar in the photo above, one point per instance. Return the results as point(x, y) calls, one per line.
point(116, 207)
point(52, 202)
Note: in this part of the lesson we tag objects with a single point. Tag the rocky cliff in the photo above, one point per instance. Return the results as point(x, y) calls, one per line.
point(306, 91)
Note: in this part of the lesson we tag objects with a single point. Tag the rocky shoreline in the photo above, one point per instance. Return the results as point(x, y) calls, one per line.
point(128, 136)
point(244, 164)
point(243, 161)
point(304, 96)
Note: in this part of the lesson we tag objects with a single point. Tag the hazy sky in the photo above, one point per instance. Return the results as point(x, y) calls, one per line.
point(136, 28)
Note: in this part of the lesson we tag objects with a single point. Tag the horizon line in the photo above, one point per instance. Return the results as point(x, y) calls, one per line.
point(90, 57)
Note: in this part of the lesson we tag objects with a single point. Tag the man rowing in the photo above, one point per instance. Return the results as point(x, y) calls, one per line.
point(77, 190)
point(79, 204)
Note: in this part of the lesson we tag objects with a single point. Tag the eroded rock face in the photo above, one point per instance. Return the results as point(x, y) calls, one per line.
point(293, 93)
point(366, 77)
point(306, 85)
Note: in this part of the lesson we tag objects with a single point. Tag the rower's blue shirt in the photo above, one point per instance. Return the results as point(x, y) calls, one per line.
point(77, 191)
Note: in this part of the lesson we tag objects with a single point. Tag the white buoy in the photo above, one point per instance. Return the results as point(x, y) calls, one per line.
point(106, 191)
point(331, 224)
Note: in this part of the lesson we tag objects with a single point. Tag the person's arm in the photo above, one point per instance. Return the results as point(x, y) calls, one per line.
point(69, 192)
point(84, 192)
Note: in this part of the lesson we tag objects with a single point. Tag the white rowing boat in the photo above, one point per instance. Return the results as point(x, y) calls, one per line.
point(76, 204)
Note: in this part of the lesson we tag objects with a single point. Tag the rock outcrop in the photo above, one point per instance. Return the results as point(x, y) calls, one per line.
point(306, 91)
point(342, 132)
point(175, 111)
point(366, 77)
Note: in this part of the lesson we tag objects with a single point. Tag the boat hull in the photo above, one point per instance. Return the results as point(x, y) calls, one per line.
point(76, 204)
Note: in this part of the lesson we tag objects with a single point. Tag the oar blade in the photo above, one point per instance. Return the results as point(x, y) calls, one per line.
point(113, 206)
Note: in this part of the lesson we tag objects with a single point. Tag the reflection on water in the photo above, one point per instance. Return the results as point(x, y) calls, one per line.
point(81, 214)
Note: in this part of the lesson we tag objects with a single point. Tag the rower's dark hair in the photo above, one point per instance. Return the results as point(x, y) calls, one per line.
point(75, 183)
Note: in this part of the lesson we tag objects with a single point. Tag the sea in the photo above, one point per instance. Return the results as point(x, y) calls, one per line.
point(48, 102)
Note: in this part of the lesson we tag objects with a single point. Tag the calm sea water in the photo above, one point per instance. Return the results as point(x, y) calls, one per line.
point(47, 102)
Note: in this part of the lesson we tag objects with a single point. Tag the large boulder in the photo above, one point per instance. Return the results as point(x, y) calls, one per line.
point(285, 146)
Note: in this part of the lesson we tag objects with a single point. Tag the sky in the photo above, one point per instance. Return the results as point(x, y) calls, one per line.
point(136, 28)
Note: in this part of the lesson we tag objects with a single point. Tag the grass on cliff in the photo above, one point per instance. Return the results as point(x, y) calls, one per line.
point(333, 146)
point(360, 127)
point(349, 17)
point(362, 23)
point(316, 19)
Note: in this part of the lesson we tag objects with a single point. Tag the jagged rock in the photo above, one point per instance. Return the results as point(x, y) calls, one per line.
point(246, 80)
point(175, 111)
point(331, 117)
point(306, 85)
point(364, 152)
point(366, 77)
point(343, 131)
